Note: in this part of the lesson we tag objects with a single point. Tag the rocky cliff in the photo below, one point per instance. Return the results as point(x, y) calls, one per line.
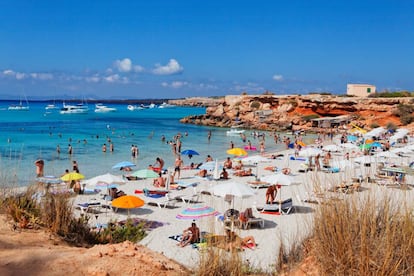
point(273, 112)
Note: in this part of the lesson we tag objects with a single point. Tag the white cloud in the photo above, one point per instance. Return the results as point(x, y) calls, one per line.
point(124, 65)
point(175, 84)
point(93, 79)
point(112, 78)
point(278, 77)
point(41, 76)
point(173, 67)
point(20, 76)
point(9, 72)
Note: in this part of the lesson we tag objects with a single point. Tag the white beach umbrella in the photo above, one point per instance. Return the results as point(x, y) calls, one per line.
point(105, 179)
point(343, 164)
point(366, 159)
point(255, 159)
point(232, 188)
point(401, 150)
point(279, 178)
point(332, 148)
point(386, 154)
point(308, 152)
point(350, 146)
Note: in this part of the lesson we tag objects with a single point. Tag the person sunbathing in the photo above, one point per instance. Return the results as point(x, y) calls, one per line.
point(202, 173)
point(228, 164)
point(286, 171)
point(238, 166)
point(159, 181)
point(114, 193)
point(190, 235)
point(235, 242)
point(224, 174)
point(244, 172)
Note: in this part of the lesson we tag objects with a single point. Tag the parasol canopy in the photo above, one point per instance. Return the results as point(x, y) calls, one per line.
point(197, 212)
point(123, 164)
point(127, 202)
point(237, 151)
point(232, 188)
point(72, 176)
point(145, 173)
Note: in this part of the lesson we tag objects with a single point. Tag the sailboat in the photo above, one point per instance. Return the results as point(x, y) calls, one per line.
point(20, 106)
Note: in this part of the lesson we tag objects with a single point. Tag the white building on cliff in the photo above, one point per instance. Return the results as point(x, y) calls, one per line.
point(360, 90)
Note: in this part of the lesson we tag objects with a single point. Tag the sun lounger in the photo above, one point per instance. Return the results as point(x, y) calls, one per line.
point(163, 202)
point(88, 206)
point(284, 207)
point(189, 198)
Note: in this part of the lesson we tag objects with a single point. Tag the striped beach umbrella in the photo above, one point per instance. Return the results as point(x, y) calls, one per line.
point(197, 212)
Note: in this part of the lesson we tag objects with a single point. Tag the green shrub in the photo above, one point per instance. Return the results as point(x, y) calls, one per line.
point(255, 105)
point(308, 118)
point(116, 233)
point(374, 125)
point(391, 126)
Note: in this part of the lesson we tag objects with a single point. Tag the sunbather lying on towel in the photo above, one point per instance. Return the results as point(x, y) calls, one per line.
point(231, 241)
point(244, 172)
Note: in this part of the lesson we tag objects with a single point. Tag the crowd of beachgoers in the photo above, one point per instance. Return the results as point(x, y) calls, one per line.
point(252, 200)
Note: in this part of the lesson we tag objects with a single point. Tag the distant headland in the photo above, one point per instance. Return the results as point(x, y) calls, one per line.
point(282, 112)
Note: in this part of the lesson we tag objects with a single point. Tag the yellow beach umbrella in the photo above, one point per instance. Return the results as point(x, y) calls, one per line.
point(72, 176)
point(237, 151)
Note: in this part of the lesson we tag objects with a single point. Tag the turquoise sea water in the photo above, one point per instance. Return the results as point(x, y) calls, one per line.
point(26, 136)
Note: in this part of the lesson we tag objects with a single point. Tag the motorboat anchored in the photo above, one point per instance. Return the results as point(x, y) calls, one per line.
point(74, 109)
point(166, 105)
point(135, 107)
point(100, 108)
point(234, 131)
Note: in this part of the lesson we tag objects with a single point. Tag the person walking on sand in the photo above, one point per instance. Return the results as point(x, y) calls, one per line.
point(159, 164)
point(39, 167)
point(177, 166)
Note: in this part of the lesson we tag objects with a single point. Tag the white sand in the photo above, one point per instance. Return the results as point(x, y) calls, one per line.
point(278, 228)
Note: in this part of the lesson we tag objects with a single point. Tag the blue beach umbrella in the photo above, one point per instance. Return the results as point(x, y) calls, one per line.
point(189, 152)
point(351, 138)
point(123, 164)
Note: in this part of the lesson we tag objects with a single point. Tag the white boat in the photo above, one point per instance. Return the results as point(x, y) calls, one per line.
point(74, 109)
point(135, 107)
point(19, 107)
point(166, 105)
point(51, 106)
point(100, 108)
point(234, 131)
point(152, 105)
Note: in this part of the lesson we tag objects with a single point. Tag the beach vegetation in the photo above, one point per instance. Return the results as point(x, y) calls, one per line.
point(388, 94)
point(115, 233)
point(370, 236)
point(255, 105)
point(308, 118)
point(32, 209)
point(405, 112)
point(374, 125)
point(391, 126)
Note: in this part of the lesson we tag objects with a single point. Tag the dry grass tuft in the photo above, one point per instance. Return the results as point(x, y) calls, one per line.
point(366, 237)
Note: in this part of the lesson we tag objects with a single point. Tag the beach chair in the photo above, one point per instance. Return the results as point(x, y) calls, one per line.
point(284, 207)
point(247, 219)
point(189, 198)
point(163, 202)
point(89, 207)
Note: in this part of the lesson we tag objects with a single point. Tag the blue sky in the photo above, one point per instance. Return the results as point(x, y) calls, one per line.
point(171, 49)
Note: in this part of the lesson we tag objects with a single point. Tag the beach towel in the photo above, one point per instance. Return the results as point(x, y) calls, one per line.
point(176, 237)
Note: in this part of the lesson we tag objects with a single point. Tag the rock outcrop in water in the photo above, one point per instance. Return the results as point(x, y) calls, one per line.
point(275, 112)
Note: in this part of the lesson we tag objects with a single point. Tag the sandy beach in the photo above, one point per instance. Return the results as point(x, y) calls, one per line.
point(278, 229)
